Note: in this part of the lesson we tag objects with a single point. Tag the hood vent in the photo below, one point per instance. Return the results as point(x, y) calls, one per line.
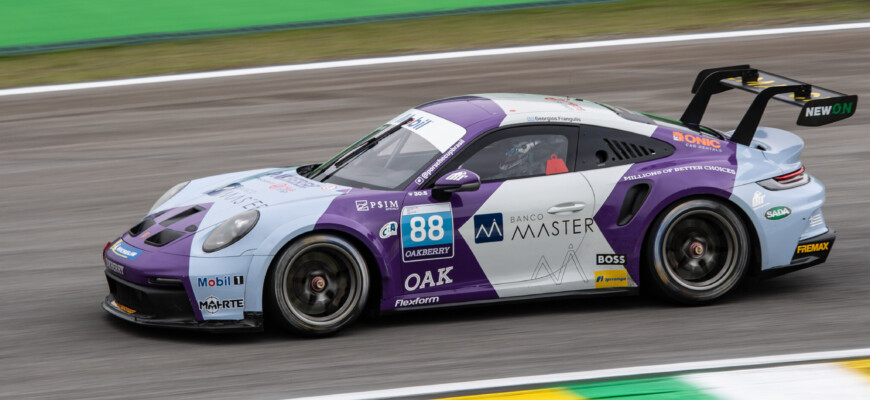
point(141, 226)
point(164, 237)
point(627, 151)
point(182, 215)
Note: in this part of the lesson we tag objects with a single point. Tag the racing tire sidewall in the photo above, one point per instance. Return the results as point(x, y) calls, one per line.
point(281, 310)
point(667, 281)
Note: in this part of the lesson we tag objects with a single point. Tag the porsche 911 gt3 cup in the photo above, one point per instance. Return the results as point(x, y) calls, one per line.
point(485, 198)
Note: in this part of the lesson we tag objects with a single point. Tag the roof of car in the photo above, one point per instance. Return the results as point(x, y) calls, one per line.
point(508, 108)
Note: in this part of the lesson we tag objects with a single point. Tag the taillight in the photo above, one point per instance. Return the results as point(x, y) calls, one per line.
point(786, 181)
point(106, 248)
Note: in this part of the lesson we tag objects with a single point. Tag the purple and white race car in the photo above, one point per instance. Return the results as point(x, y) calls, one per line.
point(486, 198)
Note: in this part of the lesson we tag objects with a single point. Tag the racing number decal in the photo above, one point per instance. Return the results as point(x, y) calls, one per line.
point(427, 232)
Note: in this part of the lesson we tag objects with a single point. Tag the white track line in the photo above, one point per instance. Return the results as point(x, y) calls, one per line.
point(599, 374)
point(430, 57)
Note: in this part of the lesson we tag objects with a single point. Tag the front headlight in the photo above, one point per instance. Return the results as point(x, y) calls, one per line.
point(230, 231)
point(168, 195)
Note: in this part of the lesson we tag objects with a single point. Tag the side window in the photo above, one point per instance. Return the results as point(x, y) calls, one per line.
point(520, 152)
point(601, 147)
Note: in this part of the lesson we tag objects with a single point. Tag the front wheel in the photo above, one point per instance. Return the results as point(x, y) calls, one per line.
point(318, 286)
point(697, 251)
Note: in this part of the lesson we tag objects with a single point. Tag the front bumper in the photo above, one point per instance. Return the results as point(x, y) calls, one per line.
point(165, 307)
point(809, 252)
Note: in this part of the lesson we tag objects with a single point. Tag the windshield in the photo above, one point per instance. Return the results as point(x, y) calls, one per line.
point(386, 161)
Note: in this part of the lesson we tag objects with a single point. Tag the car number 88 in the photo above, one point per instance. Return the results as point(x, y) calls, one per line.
point(419, 231)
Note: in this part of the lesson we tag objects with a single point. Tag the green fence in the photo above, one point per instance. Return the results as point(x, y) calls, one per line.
point(31, 26)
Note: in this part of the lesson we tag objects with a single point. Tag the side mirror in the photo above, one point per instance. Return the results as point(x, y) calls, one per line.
point(460, 180)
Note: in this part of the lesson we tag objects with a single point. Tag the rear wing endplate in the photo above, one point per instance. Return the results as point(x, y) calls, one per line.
point(819, 106)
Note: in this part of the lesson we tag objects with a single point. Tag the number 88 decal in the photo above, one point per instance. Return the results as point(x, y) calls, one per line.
point(419, 231)
point(427, 232)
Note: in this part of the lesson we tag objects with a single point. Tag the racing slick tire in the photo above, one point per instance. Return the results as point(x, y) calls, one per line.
point(697, 251)
point(317, 286)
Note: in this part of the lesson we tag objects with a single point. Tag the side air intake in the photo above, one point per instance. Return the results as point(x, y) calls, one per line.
point(621, 150)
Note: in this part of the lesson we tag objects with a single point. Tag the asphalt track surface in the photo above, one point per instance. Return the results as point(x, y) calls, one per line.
point(77, 168)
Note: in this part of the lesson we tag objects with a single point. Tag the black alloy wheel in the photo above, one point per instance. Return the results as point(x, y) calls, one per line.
point(318, 286)
point(697, 251)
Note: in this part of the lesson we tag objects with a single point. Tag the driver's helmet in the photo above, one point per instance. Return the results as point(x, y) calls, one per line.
point(518, 159)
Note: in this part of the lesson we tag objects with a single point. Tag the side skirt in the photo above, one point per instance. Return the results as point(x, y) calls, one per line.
point(609, 292)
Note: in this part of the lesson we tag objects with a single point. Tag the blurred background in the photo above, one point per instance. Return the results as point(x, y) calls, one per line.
point(79, 167)
point(116, 39)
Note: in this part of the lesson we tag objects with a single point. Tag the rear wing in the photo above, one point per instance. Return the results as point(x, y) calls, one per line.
point(819, 106)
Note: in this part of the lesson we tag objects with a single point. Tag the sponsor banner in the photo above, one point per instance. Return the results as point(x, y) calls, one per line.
point(610, 259)
point(242, 196)
point(125, 251)
point(758, 200)
point(293, 179)
point(428, 279)
point(574, 226)
point(367, 205)
point(697, 142)
point(813, 249)
point(213, 305)
point(834, 109)
point(824, 111)
point(611, 278)
point(220, 281)
point(389, 229)
point(438, 131)
point(777, 213)
point(113, 266)
point(427, 232)
point(420, 301)
point(422, 253)
point(686, 168)
point(488, 228)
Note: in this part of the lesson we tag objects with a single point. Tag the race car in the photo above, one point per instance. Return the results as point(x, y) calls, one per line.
point(485, 198)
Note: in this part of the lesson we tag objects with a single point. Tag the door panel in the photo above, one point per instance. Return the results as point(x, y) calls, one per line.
point(527, 235)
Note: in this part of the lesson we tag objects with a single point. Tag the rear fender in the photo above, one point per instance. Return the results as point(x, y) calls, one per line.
point(779, 237)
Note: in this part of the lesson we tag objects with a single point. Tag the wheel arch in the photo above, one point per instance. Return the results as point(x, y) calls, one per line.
point(373, 256)
point(754, 254)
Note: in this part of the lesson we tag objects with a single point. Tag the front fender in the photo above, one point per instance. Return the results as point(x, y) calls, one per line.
point(283, 234)
point(362, 234)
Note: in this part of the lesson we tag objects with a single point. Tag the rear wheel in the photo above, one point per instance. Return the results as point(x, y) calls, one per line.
point(697, 251)
point(318, 286)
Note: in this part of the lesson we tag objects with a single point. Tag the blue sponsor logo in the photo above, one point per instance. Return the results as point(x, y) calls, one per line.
point(219, 281)
point(125, 251)
point(416, 122)
point(488, 228)
point(427, 232)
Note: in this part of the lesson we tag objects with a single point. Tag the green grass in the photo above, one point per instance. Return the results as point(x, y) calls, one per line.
point(543, 25)
point(47, 21)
